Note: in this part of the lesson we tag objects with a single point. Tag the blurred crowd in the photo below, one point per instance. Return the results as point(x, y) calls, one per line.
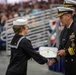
point(10, 11)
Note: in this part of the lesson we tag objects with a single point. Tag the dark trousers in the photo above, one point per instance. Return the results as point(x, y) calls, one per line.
point(11, 73)
point(70, 67)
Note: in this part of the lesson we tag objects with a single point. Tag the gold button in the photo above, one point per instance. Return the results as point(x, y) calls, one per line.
point(71, 59)
point(65, 60)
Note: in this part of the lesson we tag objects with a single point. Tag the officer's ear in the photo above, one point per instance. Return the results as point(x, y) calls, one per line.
point(69, 16)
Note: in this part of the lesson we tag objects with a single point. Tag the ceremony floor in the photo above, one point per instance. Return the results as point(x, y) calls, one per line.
point(33, 67)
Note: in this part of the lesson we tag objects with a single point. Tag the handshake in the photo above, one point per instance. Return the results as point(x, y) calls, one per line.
point(51, 62)
point(51, 53)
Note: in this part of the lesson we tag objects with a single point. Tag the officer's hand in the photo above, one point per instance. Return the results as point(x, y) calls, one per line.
point(61, 52)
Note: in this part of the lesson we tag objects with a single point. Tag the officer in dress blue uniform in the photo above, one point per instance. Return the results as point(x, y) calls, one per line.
point(67, 47)
point(22, 50)
point(71, 4)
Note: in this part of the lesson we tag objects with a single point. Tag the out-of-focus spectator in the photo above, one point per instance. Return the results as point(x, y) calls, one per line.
point(36, 9)
point(52, 1)
point(45, 5)
point(3, 19)
point(21, 11)
point(10, 16)
point(15, 14)
point(27, 11)
point(2, 22)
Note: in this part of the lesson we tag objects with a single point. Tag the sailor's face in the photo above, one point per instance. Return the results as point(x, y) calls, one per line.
point(26, 29)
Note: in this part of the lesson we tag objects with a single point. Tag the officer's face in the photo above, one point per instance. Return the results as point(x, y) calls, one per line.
point(64, 19)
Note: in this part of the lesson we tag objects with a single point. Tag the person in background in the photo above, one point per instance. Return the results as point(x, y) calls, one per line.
point(71, 4)
point(3, 19)
point(22, 50)
point(27, 12)
point(67, 47)
point(10, 16)
point(36, 9)
point(2, 22)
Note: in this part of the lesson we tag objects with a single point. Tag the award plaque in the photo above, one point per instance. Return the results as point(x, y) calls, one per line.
point(48, 52)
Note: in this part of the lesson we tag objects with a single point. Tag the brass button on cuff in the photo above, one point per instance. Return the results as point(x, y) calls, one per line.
point(71, 59)
point(65, 60)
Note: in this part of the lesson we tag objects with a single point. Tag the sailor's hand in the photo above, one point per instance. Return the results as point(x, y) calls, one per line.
point(51, 62)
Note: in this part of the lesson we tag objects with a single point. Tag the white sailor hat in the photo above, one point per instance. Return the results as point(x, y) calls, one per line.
point(63, 10)
point(69, 3)
point(20, 22)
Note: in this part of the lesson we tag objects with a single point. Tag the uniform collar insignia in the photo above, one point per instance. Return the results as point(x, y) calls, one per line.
point(72, 36)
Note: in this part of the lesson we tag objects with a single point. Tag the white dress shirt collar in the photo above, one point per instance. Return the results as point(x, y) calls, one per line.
point(70, 24)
